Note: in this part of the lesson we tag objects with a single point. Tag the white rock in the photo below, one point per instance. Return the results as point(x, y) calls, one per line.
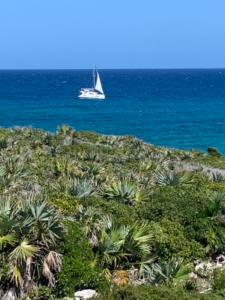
point(199, 266)
point(219, 265)
point(208, 266)
point(192, 275)
point(85, 294)
point(67, 141)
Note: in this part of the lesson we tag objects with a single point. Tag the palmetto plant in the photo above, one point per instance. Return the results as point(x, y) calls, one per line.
point(29, 228)
point(65, 129)
point(142, 195)
point(213, 215)
point(61, 167)
point(81, 188)
point(217, 177)
point(121, 245)
point(130, 177)
point(148, 269)
point(173, 178)
point(166, 152)
point(45, 224)
point(215, 236)
point(91, 156)
point(186, 155)
point(173, 271)
point(214, 205)
point(137, 144)
point(121, 191)
point(138, 239)
point(92, 170)
point(90, 220)
point(120, 277)
point(48, 138)
point(151, 165)
point(3, 143)
point(127, 192)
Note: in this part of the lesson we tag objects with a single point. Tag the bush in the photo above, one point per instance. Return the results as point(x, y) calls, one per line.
point(123, 214)
point(144, 292)
point(219, 281)
point(78, 270)
point(4, 273)
point(170, 241)
point(213, 152)
point(66, 204)
point(3, 143)
point(43, 293)
point(180, 204)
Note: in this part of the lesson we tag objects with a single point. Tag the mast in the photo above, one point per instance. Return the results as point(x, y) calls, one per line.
point(93, 74)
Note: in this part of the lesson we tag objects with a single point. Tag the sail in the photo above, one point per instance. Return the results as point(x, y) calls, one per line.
point(98, 85)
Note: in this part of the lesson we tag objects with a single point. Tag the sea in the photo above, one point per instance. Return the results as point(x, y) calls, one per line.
point(178, 108)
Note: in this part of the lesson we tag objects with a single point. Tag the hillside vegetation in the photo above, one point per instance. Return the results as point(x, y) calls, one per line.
point(112, 213)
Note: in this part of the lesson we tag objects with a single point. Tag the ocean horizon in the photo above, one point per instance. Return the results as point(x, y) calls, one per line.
point(178, 108)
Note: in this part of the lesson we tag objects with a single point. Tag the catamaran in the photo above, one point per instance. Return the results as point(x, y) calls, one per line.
point(96, 92)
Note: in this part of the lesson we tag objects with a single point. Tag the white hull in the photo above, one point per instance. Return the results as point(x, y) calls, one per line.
point(90, 95)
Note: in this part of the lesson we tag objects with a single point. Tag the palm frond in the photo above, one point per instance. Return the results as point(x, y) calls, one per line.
point(7, 239)
point(53, 260)
point(81, 188)
point(16, 276)
point(23, 251)
point(120, 277)
point(172, 178)
point(139, 239)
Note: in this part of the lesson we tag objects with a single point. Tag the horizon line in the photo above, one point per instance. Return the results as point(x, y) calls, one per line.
point(83, 69)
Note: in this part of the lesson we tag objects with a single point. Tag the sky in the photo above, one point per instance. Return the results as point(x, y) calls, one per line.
point(117, 34)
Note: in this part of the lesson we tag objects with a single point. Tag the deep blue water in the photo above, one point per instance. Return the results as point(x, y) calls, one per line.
point(176, 108)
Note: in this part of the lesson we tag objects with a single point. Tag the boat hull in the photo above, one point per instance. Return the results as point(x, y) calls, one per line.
point(91, 96)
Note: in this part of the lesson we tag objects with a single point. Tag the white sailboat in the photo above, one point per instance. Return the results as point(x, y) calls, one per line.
point(93, 93)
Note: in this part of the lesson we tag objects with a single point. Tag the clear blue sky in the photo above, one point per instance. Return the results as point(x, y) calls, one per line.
point(68, 34)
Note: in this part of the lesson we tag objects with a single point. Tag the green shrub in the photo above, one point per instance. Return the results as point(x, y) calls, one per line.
point(4, 273)
point(144, 292)
point(43, 293)
point(78, 270)
point(66, 204)
point(213, 152)
point(180, 204)
point(219, 281)
point(170, 241)
point(3, 143)
point(123, 214)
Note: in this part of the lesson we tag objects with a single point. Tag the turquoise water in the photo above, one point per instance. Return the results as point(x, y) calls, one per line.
point(176, 108)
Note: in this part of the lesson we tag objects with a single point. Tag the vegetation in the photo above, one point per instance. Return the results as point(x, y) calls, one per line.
point(128, 219)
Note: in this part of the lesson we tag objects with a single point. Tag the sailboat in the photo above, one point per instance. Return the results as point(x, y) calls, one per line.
point(96, 92)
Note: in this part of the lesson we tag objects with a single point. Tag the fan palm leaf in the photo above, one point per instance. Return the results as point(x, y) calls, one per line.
point(121, 191)
point(81, 188)
point(147, 267)
point(138, 240)
point(173, 271)
point(23, 251)
point(142, 196)
point(120, 277)
point(7, 239)
point(214, 205)
point(16, 276)
point(172, 178)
